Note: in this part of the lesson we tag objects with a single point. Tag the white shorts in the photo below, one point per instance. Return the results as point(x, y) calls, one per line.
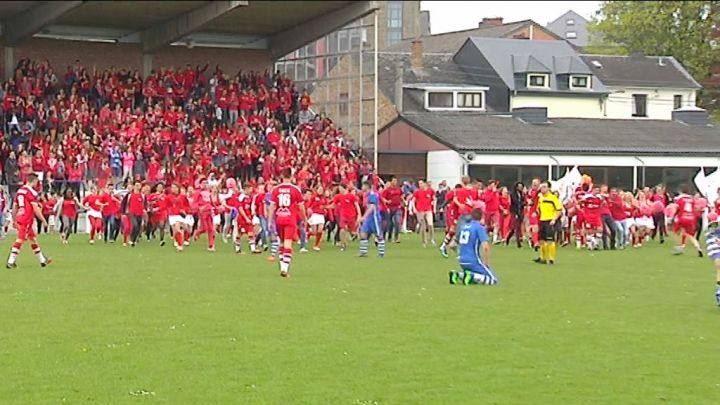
point(94, 214)
point(255, 220)
point(316, 219)
point(644, 222)
point(216, 219)
point(176, 219)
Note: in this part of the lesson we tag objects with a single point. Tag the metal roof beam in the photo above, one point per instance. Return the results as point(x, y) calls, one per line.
point(180, 26)
point(24, 25)
point(293, 38)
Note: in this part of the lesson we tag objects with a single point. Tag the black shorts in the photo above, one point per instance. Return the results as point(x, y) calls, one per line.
point(547, 231)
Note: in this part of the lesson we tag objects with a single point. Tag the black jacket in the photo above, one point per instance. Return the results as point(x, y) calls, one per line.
point(517, 202)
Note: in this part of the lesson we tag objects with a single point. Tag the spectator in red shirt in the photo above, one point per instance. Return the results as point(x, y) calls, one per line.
point(424, 199)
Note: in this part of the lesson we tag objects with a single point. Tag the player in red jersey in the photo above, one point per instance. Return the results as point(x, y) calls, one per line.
point(686, 219)
point(243, 203)
point(178, 208)
point(451, 218)
point(158, 212)
point(259, 219)
point(286, 211)
point(316, 206)
point(94, 204)
point(349, 208)
point(591, 205)
point(532, 213)
point(463, 200)
point(202, 199)
point(25, 209)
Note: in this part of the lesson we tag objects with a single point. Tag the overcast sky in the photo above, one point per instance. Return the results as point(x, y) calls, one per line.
point(458, 15)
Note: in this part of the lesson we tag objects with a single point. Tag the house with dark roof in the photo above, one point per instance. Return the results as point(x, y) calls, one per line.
point(643, 87)
point(524, 73)
point(572, 27)
point(514, 110)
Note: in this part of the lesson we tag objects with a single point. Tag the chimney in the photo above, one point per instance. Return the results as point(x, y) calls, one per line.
point(416, 55)
point(490, 22)
point(399, 86)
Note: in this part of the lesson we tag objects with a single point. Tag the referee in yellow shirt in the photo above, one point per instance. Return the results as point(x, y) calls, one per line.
point(550, 208)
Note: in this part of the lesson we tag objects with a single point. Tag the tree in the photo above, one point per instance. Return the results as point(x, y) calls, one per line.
point(683, 29)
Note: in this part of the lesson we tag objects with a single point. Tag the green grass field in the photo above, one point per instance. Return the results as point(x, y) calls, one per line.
point(109, 325)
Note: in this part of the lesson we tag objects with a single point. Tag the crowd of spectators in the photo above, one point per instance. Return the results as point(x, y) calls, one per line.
point(174, 126)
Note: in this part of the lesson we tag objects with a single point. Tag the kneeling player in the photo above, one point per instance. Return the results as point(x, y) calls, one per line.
point(371, 223)
point(475, 268)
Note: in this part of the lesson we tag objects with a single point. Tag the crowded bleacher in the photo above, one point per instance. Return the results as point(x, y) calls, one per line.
point(174, 126)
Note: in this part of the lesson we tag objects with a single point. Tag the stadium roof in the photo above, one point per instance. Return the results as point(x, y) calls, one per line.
point(493, 133)
point(279, 26)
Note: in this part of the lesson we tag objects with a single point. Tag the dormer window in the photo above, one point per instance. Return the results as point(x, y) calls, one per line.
point(454, 98)
point(581, 82)
point(440, 99)
point(538, 80)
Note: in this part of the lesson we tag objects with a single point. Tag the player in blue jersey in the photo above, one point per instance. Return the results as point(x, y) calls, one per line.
point(712, 244)
point(371, 223)
point(475, 269)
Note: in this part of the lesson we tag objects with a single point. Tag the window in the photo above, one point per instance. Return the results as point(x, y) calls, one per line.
point(440, 100)
point(537, 80)
point(395, 22)
point(394, 37)
point(571, 34)
point(344, 104)
point(639, 105)
point(677, 101)
point(395, 14)
point(579, 82)
point(570, 21)
point(469, 100)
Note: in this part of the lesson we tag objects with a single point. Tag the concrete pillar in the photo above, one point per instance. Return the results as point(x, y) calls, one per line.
point(147, 64)
point(9, 62)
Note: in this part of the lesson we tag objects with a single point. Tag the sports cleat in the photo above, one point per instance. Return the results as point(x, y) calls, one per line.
point(700, 254)
point(468, 278)
point(316, 248)
point(11, 266)
point(211, 249)
point(540, 261)
point(47, 262)
point(186, 243)
point(162, 243)
point(284, 274)
point(303, 250)
point(444, 252)
point(551, 262)
point(92, 241)
point(717, 296)
point(453, 277)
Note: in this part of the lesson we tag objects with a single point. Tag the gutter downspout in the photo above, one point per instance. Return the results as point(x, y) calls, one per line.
point(643, 171)
point(557, 165)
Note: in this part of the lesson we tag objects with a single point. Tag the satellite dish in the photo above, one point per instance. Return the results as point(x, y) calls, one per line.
point(469, 156)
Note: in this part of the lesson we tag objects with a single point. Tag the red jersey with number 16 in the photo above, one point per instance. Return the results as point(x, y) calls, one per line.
point(23, 201)
point(287, 199)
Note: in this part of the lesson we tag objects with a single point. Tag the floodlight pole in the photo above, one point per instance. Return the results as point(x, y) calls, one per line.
point(375, 98)
point(362, 84)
